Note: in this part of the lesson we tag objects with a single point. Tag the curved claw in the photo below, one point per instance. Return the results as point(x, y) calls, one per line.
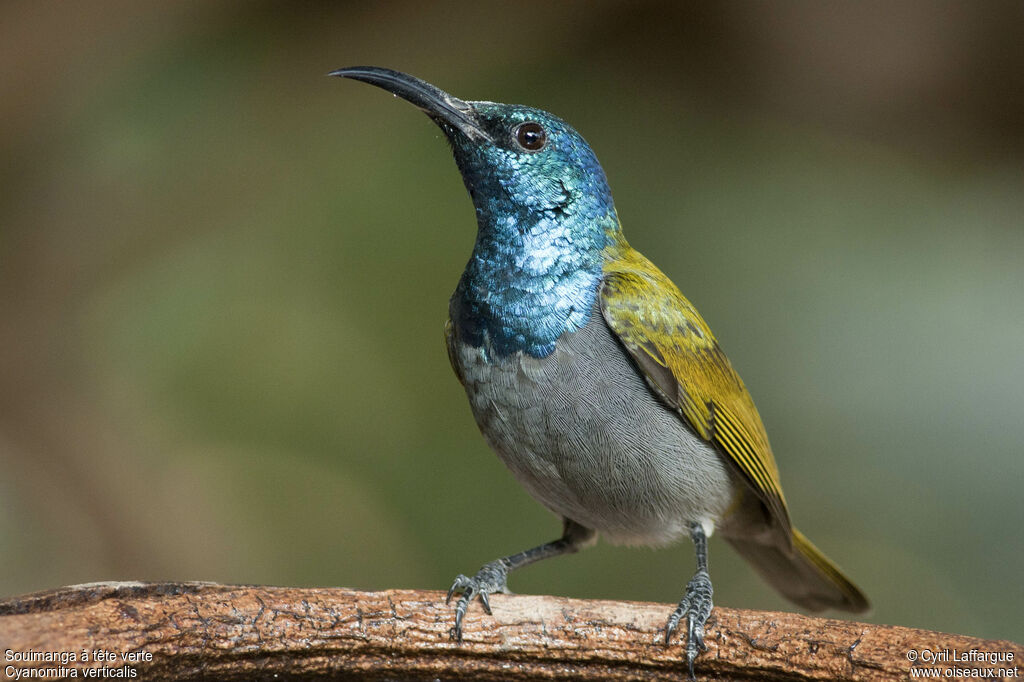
point(696, 606)
point(459, 582)
point(673, 620)
point(694, 642)
point(488, 580)
point(485, 600)
point(460, 613)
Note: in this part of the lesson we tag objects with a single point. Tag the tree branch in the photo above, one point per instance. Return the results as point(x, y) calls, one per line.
point(206, 631)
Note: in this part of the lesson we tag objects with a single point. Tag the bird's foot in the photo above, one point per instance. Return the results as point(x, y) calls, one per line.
point(696, 606)
point(489, 579)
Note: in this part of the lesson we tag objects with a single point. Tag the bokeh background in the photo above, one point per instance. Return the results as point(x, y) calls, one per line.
point(223, 279)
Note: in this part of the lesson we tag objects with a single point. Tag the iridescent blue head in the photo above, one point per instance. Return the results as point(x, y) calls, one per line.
point(544, 211)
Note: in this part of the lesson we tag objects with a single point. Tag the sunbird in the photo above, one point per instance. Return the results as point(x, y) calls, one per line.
point(593, 378)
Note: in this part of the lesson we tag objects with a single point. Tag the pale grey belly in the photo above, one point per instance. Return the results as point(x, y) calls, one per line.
point(586, 437)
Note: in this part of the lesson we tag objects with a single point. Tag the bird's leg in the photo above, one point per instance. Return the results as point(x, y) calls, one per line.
point(492, 577)
point(696, 604)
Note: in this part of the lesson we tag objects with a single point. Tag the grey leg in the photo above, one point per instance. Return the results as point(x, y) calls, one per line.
point(492, 577)
point(696, 604)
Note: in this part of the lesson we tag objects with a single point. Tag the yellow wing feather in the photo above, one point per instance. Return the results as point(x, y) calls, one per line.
point(674, 348)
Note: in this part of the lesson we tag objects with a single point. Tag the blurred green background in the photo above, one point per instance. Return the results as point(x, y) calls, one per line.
point(223, 278)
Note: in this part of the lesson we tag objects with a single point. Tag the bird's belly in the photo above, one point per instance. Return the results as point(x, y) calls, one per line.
point(583, 433)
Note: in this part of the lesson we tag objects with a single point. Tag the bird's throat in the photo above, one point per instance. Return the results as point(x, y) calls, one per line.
point(525, 286)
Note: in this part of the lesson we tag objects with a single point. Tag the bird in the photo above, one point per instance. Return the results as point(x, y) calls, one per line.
point(593, 378)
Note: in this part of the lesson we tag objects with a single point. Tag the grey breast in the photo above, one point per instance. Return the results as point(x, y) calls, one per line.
point(585, 435)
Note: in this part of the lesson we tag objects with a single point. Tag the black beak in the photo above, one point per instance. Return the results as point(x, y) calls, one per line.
point(446, 110)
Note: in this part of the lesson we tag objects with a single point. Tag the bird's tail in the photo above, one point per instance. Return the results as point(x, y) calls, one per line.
point(803, 575)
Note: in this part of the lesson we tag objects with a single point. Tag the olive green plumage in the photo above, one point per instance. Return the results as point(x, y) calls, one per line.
point(678, 355)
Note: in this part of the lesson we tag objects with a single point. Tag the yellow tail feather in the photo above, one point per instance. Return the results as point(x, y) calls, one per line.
point(804, 575)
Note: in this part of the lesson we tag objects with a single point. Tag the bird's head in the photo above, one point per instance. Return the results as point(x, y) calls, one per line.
point(521, 165)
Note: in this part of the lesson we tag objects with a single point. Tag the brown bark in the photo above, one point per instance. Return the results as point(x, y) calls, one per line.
point(206, 631)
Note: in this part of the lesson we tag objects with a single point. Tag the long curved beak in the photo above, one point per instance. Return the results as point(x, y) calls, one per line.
point(445, 110)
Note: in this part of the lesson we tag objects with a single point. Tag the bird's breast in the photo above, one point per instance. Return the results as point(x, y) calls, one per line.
point(581, 430)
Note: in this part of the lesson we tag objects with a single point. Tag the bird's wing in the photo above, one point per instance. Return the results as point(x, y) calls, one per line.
point(449, 342)
point(680, 358)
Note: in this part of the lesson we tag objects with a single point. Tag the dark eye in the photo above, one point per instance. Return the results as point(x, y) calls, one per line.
point(531, 136)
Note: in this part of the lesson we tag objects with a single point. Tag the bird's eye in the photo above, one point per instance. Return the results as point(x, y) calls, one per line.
point(531, 136)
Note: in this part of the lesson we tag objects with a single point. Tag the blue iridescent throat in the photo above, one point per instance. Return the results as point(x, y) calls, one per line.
point(533, 275)
point(543, 219)
point(522, 293)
